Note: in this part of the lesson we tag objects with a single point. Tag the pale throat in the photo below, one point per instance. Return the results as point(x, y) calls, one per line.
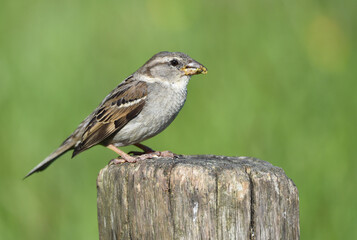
point(179, 84)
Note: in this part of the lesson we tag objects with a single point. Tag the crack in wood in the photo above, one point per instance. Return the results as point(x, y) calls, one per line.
point(252, 204)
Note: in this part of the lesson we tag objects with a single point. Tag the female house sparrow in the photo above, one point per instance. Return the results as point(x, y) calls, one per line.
point(139, 108)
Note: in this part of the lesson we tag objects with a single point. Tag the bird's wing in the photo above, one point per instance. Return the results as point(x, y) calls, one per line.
point(122, 105)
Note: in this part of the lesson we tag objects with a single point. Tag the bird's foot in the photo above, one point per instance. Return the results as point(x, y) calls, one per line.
point(147, 156)
point(139, 156)
point(156, 154)
point(121, 159)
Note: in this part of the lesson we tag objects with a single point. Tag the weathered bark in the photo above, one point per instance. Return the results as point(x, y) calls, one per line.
point(197, 197)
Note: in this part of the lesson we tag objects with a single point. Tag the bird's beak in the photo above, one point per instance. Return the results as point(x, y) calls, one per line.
point(194, 68)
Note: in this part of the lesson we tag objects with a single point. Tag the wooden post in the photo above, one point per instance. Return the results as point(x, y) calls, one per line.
point(197, 197)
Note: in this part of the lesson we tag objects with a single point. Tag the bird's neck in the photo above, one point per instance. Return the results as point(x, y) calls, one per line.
point(179, 85)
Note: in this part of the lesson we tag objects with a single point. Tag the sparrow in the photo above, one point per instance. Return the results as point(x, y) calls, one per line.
point(140, 107)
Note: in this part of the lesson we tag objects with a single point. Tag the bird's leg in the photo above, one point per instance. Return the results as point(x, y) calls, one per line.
point(124, 156)
point(146, 149)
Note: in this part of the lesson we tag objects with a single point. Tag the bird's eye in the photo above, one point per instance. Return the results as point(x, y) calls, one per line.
point(174, 62)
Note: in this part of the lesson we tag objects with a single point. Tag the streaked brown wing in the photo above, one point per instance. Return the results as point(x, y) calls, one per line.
point(122, 105)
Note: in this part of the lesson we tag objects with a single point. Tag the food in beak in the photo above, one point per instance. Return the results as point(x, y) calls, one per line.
point(192, 70)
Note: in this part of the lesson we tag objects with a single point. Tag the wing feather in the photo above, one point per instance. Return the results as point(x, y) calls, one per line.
point(122, 105)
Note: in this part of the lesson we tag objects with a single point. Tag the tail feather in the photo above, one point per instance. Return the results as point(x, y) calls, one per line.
point(66, 146)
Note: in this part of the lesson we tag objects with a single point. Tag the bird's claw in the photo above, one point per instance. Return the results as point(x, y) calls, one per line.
point(156, 154)
point(140, 156)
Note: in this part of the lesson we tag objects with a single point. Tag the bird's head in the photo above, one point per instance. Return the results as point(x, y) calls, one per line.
point(171, 66)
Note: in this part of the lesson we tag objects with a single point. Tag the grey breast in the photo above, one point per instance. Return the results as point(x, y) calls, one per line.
point(161, 108)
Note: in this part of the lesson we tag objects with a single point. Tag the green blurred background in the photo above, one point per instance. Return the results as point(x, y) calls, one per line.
point(281, 87)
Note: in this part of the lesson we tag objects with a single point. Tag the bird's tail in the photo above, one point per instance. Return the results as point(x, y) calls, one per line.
point(67, 145)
